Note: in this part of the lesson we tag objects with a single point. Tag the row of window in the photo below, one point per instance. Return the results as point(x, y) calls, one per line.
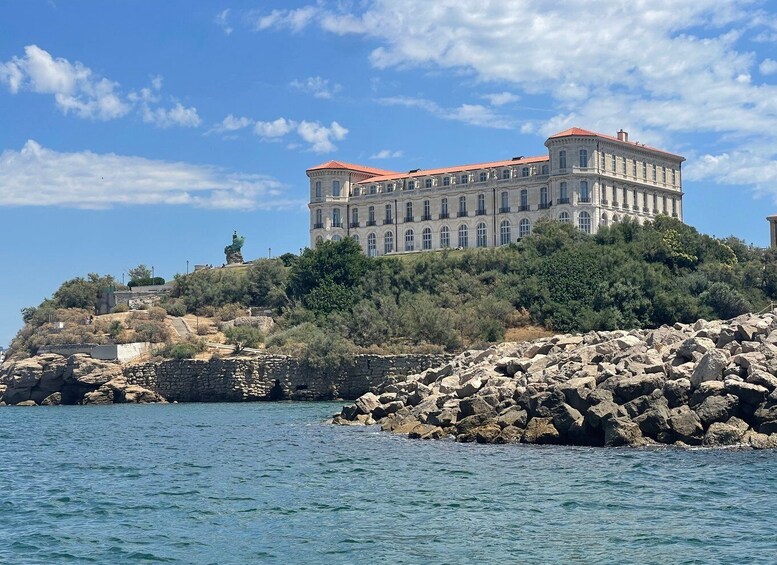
point(481, 235)
point(611, 164)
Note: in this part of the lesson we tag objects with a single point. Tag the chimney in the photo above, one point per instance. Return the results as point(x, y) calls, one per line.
point(623, 135)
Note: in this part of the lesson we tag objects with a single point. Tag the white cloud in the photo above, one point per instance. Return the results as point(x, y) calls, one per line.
point(768, 67)
point(501, 98)
point(317, 86)
point(473, 114)
point(386, 154)
point(319, 137)
point(222, 20)
point(231, 123)
point(91, 180)
point(295, 20)
point(78, 90)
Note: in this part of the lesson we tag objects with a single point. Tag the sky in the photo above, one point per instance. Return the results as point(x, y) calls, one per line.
point(146, 132)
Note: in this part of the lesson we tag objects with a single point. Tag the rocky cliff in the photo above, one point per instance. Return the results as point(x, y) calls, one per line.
point(709, 384)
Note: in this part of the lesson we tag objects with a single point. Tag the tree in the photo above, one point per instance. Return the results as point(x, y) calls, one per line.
point(244, 336)
point(139, 272)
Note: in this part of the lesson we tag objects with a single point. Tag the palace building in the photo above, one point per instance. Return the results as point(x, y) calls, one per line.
point(586, 178)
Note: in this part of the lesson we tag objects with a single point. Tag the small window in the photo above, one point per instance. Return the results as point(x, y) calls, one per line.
point(525, 171)
point(336, 188)
point(446, 181)
point(464, 179)
point(390, 187)
point(505, 174)
point(483, 177)
point(563, 217)
point(428, 183)
point(545, 170)
point(372, 189)
point(411, 185)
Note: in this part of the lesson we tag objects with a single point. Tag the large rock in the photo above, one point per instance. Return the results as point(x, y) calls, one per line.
point(710, 367)
point(476, 405)
point(722, 434)
point(749, 393)
point(577, 390)
point(717, 409)
point(597, 415)
point(686, 425)
point(638, 385)
point(565, 417)
point(514, 416)
point(541, 431)
point(654, 422)
point(367, 402)
point(677, 392)
point(54, 399)
point(622, 432)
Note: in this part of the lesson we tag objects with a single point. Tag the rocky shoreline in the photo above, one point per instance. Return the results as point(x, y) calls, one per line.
point(712, 383)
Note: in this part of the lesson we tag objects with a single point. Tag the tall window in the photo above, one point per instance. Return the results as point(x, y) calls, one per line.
point(505, 202)
point(654, 172)
point(633, 170)
point(482, 235)
point(524, 228)
point(389, 218)
point(335, 188)
point(319, 240)
point(584, 158)
point(483, 177)
point(372, 245)
point(505, 174)
point(355, 238)
point(524, 199)
point(427, 210)
point(463, 236)
point(674, 177)
point(664, 203)
point(655, 203)
point(481, 203)
point(388, 242)
point(409, 212)
point(336, 222)
point(355, 216)
point(562, 159)
point(318, 189)
point(674, 207)
point(464, 179)
point(371, 215)
point(504, 232)
point(444, 208)
point(614, 163)
point(584, 195)
point(426, 238)
point(584, 222)
point(544, 169)
point(644, 172)
point(563, 194)
point(603, 191)
point(663, 174)
point(644, 201)
point(409, 240)
point(563, 217)
point(462, 205)
point(445, 237)
point(319, 219)
point(544, 197)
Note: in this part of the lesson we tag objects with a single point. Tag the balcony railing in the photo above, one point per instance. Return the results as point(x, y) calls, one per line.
point(586, 200)
point(462, 214)
point(544, 205)
point(318, 225)
point(444, 215)
point(337, 224)
point(563, 200)
point(354, 224)
point(604, 202)
point(426, 217)
point(504, 209)
point(409, 219)
point(523, 208)
point(614, 203)
point(481, 212)
point(388, 221)
point(370, 222)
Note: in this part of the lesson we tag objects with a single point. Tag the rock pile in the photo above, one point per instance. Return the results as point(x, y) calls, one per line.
point(709, 384)
point(52, 379)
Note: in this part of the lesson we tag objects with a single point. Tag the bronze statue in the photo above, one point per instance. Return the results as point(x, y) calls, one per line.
point(232, 251)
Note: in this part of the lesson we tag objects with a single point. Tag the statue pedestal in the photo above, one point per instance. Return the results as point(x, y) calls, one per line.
point(235, 257)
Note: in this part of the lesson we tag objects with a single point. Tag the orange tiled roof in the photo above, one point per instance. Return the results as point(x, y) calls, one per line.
point(351, 167)
point(427, 172)
point(584, 132)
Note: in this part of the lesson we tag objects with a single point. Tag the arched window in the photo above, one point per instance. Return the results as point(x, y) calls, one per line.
point(504, 232)
point(355, 237)
point(563, 217)
point(584, 158)
point(318, 189)
point(584, 195)
point(605, 221)
point(372, 245)
point(445, 237)
point(524, 228)
point(409, 212)
point(336, 237)
point(409, 240)
point(563, 193)
point(505, 202)
point(388, 242)
point(524, 199)
point(463, 236)
point(336, 222)
point(615, 219)
point(544, 198)
point(335, 188)
point(481, 203)
point(426, 238)
point(319, 239)
point(462, 205)
point(319, 219)
point(584, 222)
point(482, 235)
point(562, 159)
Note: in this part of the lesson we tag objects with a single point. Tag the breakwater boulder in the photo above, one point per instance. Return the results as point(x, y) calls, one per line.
point(711, 383)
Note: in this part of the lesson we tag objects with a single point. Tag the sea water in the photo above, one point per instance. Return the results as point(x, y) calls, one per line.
point(276, 483)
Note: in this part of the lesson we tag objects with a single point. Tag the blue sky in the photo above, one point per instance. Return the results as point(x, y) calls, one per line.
point(146, 131)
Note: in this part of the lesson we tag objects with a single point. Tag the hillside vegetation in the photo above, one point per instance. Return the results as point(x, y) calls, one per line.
point(332, 300)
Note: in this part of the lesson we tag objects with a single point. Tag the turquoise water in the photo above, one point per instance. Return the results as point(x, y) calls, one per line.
point(250, 483)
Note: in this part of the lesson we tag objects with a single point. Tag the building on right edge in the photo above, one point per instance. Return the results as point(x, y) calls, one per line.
point(773, 230)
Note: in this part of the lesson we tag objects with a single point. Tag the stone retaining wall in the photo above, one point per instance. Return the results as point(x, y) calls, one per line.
point(271, 377)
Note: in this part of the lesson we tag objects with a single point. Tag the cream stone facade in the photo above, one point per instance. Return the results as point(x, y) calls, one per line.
point(772, 230)
point(586, 178)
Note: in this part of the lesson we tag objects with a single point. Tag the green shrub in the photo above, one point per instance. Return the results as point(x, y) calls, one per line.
point(230, 312)
point(244, 336)
point(187, 350)
point(156, 313)
point(147, 281)
point(175, 308)
point(119, 308)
